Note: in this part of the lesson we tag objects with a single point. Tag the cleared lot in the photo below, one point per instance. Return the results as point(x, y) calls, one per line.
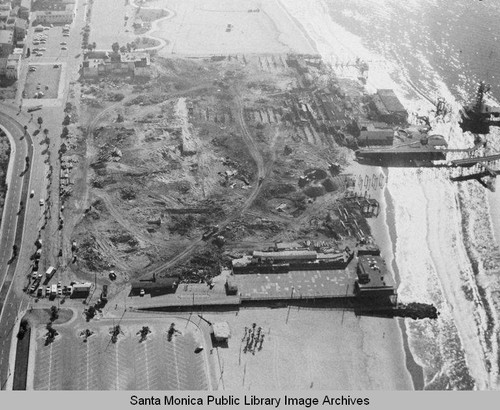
point(45, 79)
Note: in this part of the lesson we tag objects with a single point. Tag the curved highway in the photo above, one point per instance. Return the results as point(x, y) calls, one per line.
point(11, 231)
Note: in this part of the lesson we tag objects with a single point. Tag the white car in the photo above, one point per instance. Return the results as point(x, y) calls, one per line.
point(42, 202)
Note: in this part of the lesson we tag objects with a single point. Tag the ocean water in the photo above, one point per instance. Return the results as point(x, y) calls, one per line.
point(444, 238)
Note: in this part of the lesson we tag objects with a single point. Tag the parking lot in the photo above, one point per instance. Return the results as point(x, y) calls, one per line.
point(154, 364)
point(51, 42)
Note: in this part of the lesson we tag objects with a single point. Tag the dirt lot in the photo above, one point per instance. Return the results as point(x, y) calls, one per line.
point(45, 79)
point(226, 142)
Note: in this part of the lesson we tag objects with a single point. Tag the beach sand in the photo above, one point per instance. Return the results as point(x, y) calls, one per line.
point(316, 349)
point(199, 28)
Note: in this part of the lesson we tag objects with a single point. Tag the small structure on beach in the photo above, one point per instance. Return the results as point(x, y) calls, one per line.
point(221, 332)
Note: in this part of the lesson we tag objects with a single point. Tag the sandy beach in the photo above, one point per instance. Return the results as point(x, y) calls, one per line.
point(316, 349)
point(226, 27)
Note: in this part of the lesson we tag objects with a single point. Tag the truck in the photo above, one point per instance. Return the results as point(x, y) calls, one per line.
point(210, 232)
point(50, 272)
point(35, 108)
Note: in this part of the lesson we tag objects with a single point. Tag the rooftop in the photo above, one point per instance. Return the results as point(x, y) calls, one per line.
point(390, 100)
point(296, 284)
point(6, 36)
point(221, 330)
point(286, 255)
point(375, 269)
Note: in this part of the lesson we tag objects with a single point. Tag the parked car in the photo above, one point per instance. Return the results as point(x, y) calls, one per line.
point(42, 202)
point(32, 193)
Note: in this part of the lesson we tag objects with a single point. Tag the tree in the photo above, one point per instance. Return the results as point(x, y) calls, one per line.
point(129, 47)
point(94, 45)
point(144, 333)
point(115, 47)
point(63, 149)
point(54, 313)
point(40, 121)
point(123, 49)
point(45, 132)
point(64, 132)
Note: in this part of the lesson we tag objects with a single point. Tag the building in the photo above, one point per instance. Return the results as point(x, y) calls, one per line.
point(5, 5)
point(289, 260)
point(374, 281)
point(52, 5)
point(13, 66)
point(6, 42)
point(136, 64)
point(155, 287)
point(371, 135)
point(4, 16)
point(54, 17)
point(25, 9)
point(18, 26)
point(81, 290)
point(3, 66)
point(388, 107)
point(221, 332)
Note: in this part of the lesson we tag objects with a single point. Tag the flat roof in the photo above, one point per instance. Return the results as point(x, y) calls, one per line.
point(221, 330)
point(6, 36)
point(158, 284)
point(376, 269)
point(305, 283)
point(390, 100)
point(286, 255)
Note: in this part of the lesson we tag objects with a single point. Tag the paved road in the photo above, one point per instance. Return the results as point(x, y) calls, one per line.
point(11, 232)
point(26, 227)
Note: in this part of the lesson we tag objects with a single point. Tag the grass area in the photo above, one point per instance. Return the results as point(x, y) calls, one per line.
point(4, 162)
point(21, 366)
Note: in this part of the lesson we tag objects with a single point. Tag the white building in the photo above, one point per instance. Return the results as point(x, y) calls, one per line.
point(54, 17)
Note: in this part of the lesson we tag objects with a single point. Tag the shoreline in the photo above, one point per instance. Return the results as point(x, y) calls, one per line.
point(416, 371)
point(385, 234)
